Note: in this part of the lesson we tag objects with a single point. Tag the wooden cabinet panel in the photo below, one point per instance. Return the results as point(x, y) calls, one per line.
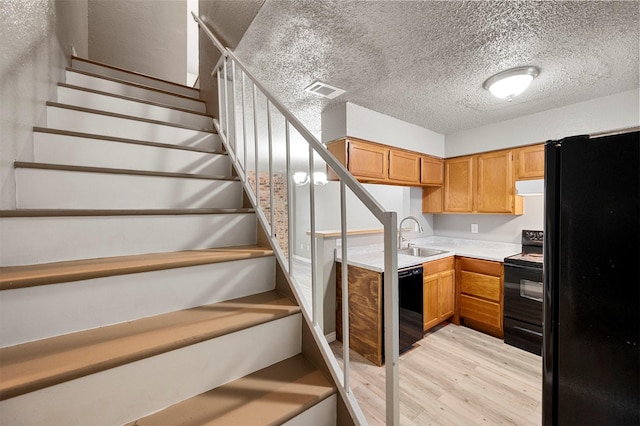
point(368, 160)
point(365, 311)
point(480, 285)
point(438, 291)
point(458, 185)
point(495, 182)
point(483, 311)
point(480, 294)
point(446, 295)
point(431, 171)
point(404, 166)
point(480, 266)
point(430, 315)
point(530, 162)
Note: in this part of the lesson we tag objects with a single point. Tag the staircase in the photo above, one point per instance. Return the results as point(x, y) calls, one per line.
point(133, 287)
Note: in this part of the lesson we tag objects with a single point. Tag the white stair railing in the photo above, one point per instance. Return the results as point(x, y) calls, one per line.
point(234, 119)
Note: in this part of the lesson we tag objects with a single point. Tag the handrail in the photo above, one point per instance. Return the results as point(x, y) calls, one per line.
point(387, 218)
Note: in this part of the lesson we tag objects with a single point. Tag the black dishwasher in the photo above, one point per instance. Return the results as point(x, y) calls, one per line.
point(410, 296)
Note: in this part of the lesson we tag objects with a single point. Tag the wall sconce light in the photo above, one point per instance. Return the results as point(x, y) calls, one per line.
point(302, 178)
point(510, 83)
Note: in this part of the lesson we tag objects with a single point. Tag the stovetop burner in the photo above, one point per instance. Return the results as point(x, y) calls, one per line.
point(531, 250)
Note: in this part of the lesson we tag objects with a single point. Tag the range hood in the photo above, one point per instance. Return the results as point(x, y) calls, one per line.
point(530, 187)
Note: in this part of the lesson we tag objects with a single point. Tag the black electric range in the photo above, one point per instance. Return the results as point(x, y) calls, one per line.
point(523, 294)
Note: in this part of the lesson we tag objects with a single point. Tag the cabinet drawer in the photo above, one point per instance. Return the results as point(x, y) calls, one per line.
point(480, 285)
point(480, 310)
point(440, 265)
point(486, 267)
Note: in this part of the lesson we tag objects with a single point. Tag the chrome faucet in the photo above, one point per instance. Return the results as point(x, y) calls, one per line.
point(400, 239)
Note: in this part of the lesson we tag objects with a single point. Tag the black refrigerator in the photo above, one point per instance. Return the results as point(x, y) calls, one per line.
point(591, 350)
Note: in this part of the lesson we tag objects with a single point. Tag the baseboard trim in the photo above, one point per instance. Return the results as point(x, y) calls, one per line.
point(331, 337)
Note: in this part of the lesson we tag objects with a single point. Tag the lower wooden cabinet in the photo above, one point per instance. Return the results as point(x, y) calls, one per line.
point(438, 291)
point(365, 312)
point(480, 295)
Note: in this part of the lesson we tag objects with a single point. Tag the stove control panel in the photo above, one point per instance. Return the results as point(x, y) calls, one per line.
point(532, 238)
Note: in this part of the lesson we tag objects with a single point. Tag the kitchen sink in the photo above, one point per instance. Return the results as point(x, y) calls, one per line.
point(420, 251)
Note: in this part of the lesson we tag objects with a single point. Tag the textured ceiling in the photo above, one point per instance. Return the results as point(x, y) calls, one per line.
point(424, 62)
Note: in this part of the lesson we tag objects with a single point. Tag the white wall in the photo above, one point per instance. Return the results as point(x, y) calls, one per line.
point(147, 36)
point(348, 119)
point(492, 227)
point(616, 111)
point(35, 45)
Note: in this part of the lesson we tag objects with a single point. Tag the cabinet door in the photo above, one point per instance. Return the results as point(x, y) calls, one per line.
point(530, 162)
point(430, 301)
point(458, 185)
point(368, 160)
point(446, 295)
point(495, 182)
point(404, 166)
point(431, 171)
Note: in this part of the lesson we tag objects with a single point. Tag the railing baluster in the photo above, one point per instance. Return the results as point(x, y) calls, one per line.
point(244, 129)
point(233, 108)
point(255, 145)
point(315, 291)
point(226, 105)
point(391, 318)
point(290, 230)
point(345, 286)
point(271, 204)
point(219, 99)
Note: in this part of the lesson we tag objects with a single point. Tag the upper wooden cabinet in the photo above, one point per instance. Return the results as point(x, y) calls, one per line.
point(404, 166)
point(368, 160)
point(530, 162)
point(375, 163)
point(496, 189)
point(482, 183)
point(459, 184)
point(431, 170)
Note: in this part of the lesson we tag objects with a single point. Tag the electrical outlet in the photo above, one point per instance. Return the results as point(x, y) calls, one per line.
point(474, 228)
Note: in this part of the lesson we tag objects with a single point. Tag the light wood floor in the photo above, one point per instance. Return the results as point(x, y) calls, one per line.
point(454, 376)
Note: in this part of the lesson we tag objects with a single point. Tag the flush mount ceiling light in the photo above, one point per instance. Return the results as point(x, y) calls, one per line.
point(323, 89)
point(510, 83)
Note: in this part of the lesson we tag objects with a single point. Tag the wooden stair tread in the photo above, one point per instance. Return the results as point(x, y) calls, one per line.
point(127, 117)
point(133, 84)
point(129, 98)
point(269, 396)
point(123, 140)
point(31, 366)
point(72, 168)
point(13, 277)
point(102, 64)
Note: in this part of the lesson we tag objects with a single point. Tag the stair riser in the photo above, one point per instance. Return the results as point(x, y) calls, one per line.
point(60, 189)
point(134, 390)
point(104, 85)
point(321, 414)
point(67, 95)
point(28, 241)
point(87, 122)
point(77, 151)
point(34, 313)
point(134, 78)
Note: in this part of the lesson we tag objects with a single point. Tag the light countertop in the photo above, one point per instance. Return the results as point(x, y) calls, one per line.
point(372, 256)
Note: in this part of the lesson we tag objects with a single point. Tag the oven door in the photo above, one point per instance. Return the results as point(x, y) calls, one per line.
point(523, 292)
